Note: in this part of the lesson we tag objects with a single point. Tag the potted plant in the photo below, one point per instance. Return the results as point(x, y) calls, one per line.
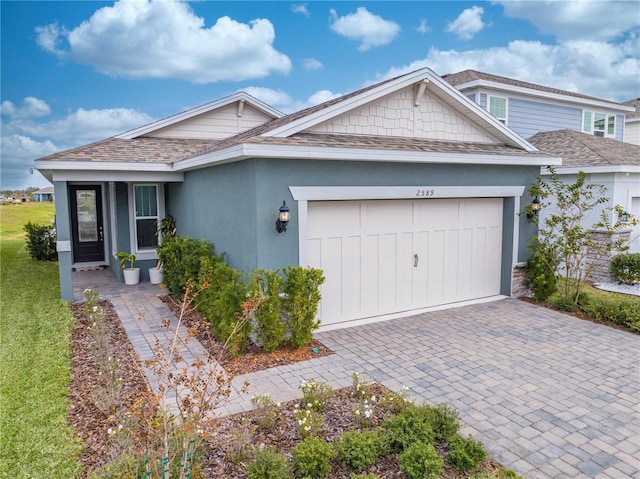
point(166, 229)
point(131, 274)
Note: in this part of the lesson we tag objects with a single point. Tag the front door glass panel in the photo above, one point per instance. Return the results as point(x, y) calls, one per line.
point(87, 215)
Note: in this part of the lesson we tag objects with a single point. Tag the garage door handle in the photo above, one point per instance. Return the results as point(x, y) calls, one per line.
point(415, 260)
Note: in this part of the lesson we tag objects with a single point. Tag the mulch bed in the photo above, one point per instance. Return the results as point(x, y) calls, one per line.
point(254, 358)
point(92, 424)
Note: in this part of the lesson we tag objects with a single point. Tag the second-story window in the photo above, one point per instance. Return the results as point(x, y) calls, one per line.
point(599, 124)
point(498, 108)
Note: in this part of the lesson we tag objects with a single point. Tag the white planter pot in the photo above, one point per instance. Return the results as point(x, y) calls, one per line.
point(155, 276)
point(131, 276)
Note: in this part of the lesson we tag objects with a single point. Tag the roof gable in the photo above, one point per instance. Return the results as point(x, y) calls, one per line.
point(400, 115)
point(215, 120)
point(424, 87)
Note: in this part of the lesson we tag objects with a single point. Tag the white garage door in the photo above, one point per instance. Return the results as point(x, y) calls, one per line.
point(389, 256)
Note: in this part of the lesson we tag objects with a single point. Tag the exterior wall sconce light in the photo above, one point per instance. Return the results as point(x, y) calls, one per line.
point(283, 218)
point(624, 217)
point(535, 207)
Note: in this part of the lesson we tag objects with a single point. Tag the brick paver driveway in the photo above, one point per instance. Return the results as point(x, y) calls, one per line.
point(548, 394)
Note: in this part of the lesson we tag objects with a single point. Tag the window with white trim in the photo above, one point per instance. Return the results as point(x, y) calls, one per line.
point(599, 124)
point(146, 216)
point(497, 106)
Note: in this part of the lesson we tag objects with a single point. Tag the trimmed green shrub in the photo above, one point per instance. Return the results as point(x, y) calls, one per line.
point(541, 277)
point(616, 308)
point(445, 421)
point(180, 257)
point(269, 463)
point(421, 461)
point(221, 302)
point(41, 241)
point(302, 296)
point(370, 475)
point(268, 327)
point(409, 427)
point(466, 453)
point(359, 449)
point(626, 268)
point(312, 457)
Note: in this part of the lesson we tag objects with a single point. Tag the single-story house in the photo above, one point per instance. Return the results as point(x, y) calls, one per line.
point(44, 194)
point(406, 194)
point(614, 164)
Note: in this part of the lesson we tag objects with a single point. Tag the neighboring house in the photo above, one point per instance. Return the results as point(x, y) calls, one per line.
point(528, 108)
point(614, 164)
point(44, 194)
point(405, 193)
point(632, 122)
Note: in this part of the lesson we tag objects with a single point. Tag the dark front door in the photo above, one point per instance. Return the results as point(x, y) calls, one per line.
point(86, 223)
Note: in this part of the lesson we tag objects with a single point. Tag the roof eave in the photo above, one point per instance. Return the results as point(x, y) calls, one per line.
point(251, 150)
point(572, 170)
point(481, 83)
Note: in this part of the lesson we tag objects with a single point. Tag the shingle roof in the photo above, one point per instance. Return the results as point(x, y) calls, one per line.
point(584, 150)
point(466, 76)
point(391, 144)
point(634, 103)
point(137, 150)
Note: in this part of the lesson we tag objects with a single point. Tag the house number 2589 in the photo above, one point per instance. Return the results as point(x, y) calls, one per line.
point(425, 193)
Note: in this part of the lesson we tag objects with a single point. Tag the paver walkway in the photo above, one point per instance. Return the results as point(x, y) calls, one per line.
point(549, 395)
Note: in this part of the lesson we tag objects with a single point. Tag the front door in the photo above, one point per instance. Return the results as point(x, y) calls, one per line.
point(86, 223)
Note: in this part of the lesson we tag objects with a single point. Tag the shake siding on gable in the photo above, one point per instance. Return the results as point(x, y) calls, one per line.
point(527, 117)
point(397, 115)
point(217, 124)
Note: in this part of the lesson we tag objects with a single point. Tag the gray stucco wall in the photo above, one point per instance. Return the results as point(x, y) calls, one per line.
point(235, 205)
point(63, 233)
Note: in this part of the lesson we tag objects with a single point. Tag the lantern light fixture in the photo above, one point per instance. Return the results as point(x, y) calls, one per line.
point(535, 207)
point(283, 218)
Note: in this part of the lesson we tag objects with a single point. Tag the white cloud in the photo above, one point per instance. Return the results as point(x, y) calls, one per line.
point(31, 108)
point(321, 96)
point(276, 98)
point(468, 23)
point(311, 64)
point(300, 8)
point(165, 39)
point(364, 27)
point(27, 136)
point(423, 27)
point(577, 20)
point(599, 69)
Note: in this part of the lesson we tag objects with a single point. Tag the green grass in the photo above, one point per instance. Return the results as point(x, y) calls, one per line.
point(35, 328)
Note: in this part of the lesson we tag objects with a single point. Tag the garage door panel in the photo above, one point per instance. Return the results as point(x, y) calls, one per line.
point(351, 276)
point(387, 256)
point(370, 274)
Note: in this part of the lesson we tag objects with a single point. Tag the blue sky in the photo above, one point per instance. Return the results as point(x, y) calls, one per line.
point(79, 71)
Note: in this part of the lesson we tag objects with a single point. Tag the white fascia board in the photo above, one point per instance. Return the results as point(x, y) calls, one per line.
point(252, 150)
point(547, 95)
point(192, 112)
point(593, 170)
point(332, 111)
point(125, 176)
point(327, 193)
point(103, 166)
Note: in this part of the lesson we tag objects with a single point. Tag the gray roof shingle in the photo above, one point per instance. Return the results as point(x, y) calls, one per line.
point(584, 150)
point(466, 76)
